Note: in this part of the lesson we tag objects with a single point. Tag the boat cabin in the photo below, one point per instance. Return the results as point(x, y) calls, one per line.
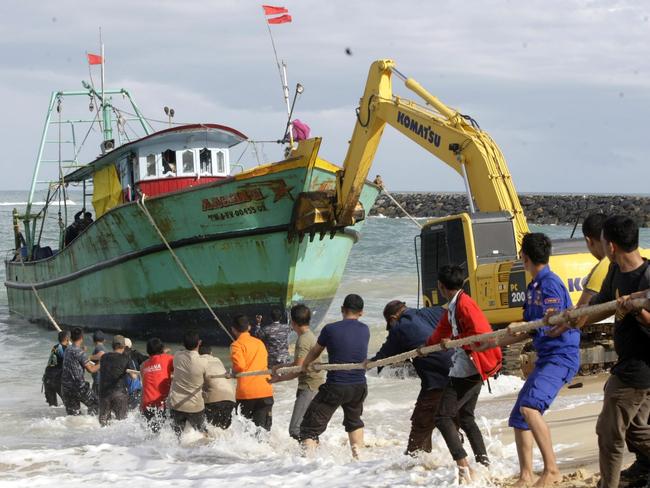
point(163, 162)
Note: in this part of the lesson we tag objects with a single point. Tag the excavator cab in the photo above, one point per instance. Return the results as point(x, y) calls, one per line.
point(483, 244)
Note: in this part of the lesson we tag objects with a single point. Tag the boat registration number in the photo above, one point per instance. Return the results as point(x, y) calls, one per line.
point(230, 214)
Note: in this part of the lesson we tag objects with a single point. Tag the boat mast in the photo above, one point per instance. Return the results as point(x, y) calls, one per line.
point(282, 71)
point(106, 105)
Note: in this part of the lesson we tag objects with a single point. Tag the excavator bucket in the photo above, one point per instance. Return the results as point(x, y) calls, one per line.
point(314, 213)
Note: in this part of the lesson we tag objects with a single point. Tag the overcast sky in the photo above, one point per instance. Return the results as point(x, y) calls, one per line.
point(562, 86)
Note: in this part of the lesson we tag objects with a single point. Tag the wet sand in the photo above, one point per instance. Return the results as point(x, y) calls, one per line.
point(573, 430)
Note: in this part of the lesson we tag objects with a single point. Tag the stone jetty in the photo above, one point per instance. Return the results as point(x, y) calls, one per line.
point(539, 208)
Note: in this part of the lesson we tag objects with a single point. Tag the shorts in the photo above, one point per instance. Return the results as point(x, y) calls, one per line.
point(331, 396)
point(539, 391)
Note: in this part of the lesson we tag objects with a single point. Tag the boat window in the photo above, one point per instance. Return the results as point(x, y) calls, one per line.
point(205, 158)
point(221, 163)
point(169, 162)
point(188, 161)
point(151, 165)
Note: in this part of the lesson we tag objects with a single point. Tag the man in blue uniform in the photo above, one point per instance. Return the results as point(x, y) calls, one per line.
point(558, 360)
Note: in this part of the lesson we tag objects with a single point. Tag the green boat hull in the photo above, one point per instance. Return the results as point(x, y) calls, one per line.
point(233, 238)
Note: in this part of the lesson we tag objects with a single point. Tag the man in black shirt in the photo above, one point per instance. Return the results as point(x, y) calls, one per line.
point(113, 395)
point(626, 406)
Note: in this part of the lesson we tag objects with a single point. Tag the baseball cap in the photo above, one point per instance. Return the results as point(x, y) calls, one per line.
point(98, 335)
point(119, 341)
point(127, 342)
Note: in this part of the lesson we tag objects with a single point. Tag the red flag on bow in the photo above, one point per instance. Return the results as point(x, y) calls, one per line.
point(94, 59)
point(271, 10)
point(283, 19)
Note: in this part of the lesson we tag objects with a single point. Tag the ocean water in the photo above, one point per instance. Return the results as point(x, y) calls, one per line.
point(40, 446)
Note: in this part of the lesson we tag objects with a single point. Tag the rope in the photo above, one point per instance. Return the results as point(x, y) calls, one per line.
point(513, 329)
point(379, 182)
point(38, 298)
point(142, 205)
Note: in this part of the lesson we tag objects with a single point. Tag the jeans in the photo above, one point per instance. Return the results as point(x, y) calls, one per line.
point(303, 399)
point(458, 402)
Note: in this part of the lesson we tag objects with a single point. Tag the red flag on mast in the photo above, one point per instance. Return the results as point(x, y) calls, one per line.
point(94, 59)
point(282, 19)
point(271, 10)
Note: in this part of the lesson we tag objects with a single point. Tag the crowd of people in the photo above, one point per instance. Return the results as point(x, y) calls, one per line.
point(193, 386)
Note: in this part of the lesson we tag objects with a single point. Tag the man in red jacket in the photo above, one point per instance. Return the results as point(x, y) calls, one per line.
point(468, 371)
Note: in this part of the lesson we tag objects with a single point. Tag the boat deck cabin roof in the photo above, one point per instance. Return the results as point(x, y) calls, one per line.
point(205, 134)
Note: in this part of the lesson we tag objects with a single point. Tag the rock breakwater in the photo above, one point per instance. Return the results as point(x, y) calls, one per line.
point(539, 209)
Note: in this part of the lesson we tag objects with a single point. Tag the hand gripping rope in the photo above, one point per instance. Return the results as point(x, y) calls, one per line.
point(516, 328)
point(513, 329)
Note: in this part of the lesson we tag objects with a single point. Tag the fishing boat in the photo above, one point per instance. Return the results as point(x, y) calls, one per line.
point(180, 235)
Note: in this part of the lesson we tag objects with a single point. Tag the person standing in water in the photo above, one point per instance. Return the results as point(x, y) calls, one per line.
point(408, 329)
point(74, 387)
point(54, 368)
point(308, 382)
point(254, 394)
point(346, 341)
point(558, 360)
point(156, 376)
point(469, 369)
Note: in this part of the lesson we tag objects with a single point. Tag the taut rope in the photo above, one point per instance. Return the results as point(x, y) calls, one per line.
point(38, 298)
point(180, 264)
point(512, 329)
point(379, 182)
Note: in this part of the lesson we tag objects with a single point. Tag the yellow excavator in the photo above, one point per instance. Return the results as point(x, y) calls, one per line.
point(485, 241)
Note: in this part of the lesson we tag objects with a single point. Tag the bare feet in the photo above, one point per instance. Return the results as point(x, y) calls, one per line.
point(524, 481)
point(548, 479)
point(465, 475)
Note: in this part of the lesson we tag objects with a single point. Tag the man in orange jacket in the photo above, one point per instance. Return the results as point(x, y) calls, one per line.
point(469, 369)
point(254, 394)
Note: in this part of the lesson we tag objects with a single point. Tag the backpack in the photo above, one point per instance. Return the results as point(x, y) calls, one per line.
point(132, 384)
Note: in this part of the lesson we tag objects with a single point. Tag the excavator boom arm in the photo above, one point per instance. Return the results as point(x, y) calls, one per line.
point(440, 130)
point(448, 135)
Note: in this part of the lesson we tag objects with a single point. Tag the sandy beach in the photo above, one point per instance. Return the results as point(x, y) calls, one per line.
point(573, 428)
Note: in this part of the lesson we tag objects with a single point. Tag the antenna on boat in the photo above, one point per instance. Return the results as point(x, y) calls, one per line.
point(269, 12)
point(101, 53)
